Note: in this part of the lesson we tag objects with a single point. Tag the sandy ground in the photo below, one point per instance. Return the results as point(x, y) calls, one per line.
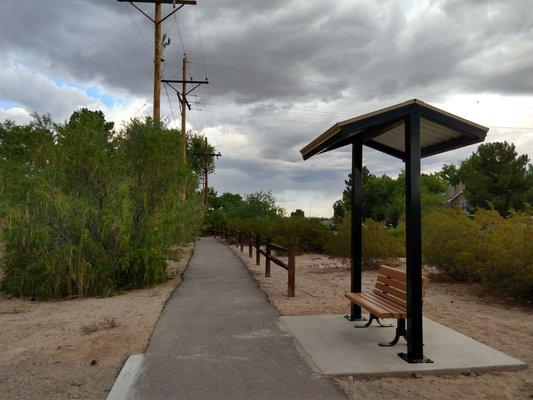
point(322, 281)
point(75, 349)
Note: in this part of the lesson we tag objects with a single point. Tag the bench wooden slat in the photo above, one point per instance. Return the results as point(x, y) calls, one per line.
point(397, 283)
point(401, 307)
point(402, 286)
point(377, 299)
point(388, 300)
point(369, 306)
point(393, 293)
point(393, 273)
point(394, 312)
point(391, 282)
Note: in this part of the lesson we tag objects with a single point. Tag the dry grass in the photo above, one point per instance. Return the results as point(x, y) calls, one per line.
point(106, 323)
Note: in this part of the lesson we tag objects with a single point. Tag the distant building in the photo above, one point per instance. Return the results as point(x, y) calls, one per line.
point(455, 197)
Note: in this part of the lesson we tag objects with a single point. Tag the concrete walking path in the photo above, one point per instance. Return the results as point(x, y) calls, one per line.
point(218, 338)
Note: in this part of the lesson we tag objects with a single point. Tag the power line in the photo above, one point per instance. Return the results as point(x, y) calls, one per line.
point(176, 25)
point(264, 118)
point(139, 32)
point(308, 81)
point(202, 52)
point(140, 108)
point(169, 103)
point(303, 111)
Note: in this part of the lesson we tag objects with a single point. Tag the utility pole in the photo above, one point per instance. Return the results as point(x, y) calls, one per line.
point(184, 111)
point(184, 104)
point(205, 155)
point(158, 21)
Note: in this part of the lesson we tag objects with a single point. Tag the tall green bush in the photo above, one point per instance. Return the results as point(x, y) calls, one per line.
point(101, 214)
point(505, 253)
point(379, 241)
point(449, 242)
point(487, 248)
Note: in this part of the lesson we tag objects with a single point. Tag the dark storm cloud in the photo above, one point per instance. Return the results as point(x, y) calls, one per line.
point(352, 43)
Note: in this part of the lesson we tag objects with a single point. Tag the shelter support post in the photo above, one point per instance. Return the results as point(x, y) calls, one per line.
point(413, 251)
point(356, 227)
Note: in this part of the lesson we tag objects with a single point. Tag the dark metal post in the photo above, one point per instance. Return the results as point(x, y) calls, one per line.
point(413, 234)
point(356, 227)
point(291, 269)
point(257, 247)
point(267, 258)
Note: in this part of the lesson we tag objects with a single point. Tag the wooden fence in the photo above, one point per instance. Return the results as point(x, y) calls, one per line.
point(262, 246)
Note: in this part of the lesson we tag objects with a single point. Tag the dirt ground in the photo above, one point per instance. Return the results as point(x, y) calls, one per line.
point(75, 349)
point(321, 282)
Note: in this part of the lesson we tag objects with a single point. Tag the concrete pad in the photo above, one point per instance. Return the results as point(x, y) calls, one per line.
point(125, 379)
point(333, 346)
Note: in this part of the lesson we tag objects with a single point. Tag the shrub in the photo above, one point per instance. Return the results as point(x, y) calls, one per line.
point(101, 214)
point(379, 242)
point(449, 242)
point(505, 253)
point(487, 248)
point(306, 235)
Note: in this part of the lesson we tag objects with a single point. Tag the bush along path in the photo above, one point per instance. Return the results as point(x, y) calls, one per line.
point(218, 338)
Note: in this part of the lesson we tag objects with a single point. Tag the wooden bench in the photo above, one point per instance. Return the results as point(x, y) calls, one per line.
point(388, 300)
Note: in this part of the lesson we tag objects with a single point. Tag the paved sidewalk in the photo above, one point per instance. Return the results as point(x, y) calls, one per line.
point(218, 338)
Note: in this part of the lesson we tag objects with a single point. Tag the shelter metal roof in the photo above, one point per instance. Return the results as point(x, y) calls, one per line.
point(384, 130)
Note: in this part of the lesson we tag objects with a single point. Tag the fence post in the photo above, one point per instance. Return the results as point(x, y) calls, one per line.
point(240, 241)
point(291, 272)
point(267, 261)
point(227, 235)
point(250, 244)
point(257, 247)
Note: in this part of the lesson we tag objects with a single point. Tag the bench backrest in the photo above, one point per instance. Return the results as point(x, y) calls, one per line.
point(391, 285)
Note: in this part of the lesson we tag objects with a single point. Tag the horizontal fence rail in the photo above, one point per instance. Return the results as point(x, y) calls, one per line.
point(242, 238)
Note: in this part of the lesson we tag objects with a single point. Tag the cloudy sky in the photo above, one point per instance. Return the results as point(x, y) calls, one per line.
point(281, 73)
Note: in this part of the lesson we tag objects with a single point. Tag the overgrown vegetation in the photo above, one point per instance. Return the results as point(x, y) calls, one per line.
point(491, 245)
point(487, 248)
point(88, 210)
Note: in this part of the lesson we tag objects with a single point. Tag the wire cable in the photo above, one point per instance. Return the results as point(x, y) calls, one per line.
point(139, 32)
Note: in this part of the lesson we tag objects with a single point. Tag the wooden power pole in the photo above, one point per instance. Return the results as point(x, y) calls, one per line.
point(158, 20)
point(184, 111)
point(205, 155)
point(184, 104)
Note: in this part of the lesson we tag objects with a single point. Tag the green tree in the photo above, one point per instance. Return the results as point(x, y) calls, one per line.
point(450, 174)
point(339, 211)
point(298, 213)
point(196, 147)
point(347, 193)
point(496, 176)
point(384, 197)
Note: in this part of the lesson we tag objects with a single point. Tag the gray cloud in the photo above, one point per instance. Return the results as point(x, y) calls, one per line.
point(281, 72)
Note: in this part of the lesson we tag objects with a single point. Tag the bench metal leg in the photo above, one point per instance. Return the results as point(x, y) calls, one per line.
point(370, 320)
point(400, 332)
